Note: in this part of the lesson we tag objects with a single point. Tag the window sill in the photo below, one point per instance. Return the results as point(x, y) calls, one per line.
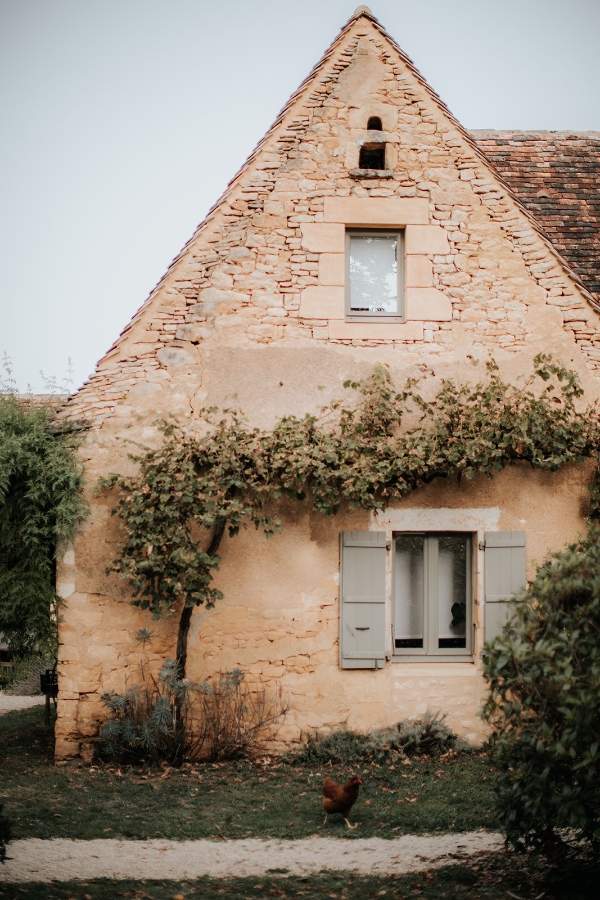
point(371, 173)
point(380, 320)
point(426, 665)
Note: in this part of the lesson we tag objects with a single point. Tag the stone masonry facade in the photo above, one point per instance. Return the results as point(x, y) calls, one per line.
point(253, 308)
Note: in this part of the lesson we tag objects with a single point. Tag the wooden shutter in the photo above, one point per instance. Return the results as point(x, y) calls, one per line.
point(362, 590)
point(504, 576)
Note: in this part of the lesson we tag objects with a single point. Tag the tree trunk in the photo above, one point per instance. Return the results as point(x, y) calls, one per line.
point(186, 613)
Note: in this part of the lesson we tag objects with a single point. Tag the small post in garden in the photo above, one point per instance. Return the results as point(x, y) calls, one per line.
point(49, 687)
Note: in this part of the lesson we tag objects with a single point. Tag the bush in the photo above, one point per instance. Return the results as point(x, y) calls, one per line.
point(420, 737)
point(150, 721)
point(236, 721)
point(411, 737)
point(169, 720)
point(41, 484)
point(544, 702)
point(342, 747)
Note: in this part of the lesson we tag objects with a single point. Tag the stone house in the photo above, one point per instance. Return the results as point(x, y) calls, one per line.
point(481, 245)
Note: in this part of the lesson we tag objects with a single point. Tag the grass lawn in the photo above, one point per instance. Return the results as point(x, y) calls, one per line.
point(229, 800)
point(492, 877)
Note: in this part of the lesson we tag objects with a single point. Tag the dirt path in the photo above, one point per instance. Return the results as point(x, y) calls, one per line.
point(63, 860)
point(8, 702)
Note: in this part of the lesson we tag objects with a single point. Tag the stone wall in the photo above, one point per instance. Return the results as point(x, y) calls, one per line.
point(252, 313)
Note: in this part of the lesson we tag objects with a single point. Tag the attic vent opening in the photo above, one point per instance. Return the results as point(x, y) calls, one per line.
point(372, 156)
point(374, 124)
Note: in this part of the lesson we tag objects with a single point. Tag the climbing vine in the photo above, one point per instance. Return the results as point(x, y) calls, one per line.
point(364, 453)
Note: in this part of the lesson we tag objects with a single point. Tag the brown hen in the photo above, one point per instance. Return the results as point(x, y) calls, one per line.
point(338, 799)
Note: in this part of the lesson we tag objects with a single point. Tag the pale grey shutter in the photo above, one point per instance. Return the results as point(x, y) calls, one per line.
point(504, 576)
point(362, 591)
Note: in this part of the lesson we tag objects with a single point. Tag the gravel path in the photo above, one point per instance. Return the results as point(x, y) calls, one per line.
point(64, 860)
point(8, 702)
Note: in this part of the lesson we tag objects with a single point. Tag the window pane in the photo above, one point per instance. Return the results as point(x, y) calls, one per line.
point(373, 274)
point(408, 586)
point(452, 591)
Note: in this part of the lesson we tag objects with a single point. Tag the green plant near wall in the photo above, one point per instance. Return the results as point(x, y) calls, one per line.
point(41, 483)
point(366, 452)
point(544, 703)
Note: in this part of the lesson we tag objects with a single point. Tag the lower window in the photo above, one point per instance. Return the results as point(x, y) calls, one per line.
point(432, 594)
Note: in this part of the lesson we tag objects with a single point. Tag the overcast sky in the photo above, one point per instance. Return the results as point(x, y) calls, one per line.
point(123, 120)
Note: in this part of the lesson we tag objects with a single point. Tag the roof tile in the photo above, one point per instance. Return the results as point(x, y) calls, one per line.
point(556, 176)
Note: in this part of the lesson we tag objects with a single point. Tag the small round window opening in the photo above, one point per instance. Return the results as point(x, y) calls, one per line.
point(374, 124)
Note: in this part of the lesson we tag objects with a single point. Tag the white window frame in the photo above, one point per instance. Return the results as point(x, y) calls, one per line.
point(398, 316)
point(430, 652)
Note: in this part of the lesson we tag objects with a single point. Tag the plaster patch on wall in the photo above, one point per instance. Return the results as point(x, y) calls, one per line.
point(69, 558)
point(448, 519)
point(64, 590)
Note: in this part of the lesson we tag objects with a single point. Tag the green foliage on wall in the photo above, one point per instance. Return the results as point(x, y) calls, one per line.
point(41, 482)
point(364, 453)
point(544, 702)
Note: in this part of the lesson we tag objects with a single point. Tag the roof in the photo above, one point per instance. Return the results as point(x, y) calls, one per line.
point(556, 176)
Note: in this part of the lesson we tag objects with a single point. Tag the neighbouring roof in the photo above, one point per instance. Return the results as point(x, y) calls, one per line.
point(556, 176)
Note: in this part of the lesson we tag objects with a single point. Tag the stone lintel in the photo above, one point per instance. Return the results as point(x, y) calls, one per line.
point(381, 212)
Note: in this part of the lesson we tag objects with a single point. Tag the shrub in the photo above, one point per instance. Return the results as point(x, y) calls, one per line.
point(170, 720)
point(150, 721)
point(342, 747)
point(411, 737)
point(544, 702)
point(420, 737)
point(236, 721)
point(41, 484)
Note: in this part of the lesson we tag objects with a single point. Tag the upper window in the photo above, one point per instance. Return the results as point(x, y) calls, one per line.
point(432, 594)
point(372, 156)
point(374, 124)
point(374, 275)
